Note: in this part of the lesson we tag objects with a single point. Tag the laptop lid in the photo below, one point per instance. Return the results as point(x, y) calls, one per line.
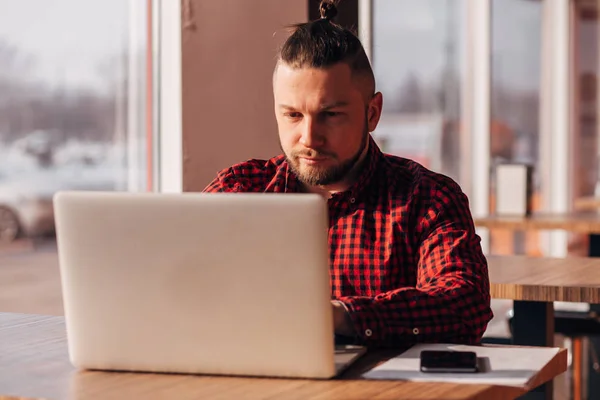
point(232, 284)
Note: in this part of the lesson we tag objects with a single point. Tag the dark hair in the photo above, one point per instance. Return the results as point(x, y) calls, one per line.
point(322, 43)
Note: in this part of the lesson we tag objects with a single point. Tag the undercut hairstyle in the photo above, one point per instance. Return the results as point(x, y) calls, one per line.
point(322, 43)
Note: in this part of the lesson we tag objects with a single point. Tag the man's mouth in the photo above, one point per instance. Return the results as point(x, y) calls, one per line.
point(313, 160)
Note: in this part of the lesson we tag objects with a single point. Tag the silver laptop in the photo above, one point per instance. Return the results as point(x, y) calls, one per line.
point(234, 284)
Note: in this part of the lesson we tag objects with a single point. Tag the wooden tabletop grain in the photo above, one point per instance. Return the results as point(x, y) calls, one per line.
point(580, 222)
point(34, 364)
point(570, 279)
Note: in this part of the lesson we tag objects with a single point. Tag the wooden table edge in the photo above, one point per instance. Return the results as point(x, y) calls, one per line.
point(558, 364)
point(587, 203)
point(525, 292)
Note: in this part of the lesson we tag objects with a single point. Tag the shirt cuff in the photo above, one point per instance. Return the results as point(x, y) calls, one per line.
point(370, 328)
point(348, 328)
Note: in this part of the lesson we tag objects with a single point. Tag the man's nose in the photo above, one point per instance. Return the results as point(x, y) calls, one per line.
point(311, 135)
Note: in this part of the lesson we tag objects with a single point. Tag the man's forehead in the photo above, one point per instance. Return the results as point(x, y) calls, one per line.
point(291, 75)
point(322, 105)
point(322, 99)
point(337, 83)
point(327, 87)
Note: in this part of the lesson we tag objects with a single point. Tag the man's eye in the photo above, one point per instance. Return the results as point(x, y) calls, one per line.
point(293, 115)
point(331, 114)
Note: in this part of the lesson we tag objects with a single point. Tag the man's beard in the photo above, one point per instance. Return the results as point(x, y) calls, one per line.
point(315, 176)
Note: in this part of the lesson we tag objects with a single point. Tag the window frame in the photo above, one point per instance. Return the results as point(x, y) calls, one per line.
point(167, 99)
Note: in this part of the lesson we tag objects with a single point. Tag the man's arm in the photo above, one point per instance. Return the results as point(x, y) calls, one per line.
point(451, 301)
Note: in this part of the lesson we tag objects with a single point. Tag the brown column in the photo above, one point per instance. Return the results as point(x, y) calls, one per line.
point(228, 55)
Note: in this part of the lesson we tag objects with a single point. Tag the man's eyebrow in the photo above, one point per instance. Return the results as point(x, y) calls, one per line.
point(325, 106)
point(286, 107)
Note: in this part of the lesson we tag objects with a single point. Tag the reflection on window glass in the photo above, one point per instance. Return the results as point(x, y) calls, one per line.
point(72, 98)
point(417, 62)
point(515, 97)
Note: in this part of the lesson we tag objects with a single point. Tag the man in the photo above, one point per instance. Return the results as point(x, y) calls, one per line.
point(406, 264)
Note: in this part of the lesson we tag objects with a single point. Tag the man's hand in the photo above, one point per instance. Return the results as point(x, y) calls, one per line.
point(341, 319)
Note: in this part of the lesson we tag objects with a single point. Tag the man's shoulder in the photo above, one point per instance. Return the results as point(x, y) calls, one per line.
point(429, 195)
point(253, 175)
point(412, 176)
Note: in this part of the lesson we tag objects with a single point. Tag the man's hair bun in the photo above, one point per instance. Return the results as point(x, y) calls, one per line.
point(328, 9)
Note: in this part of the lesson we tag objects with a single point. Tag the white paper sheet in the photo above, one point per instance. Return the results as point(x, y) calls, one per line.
point(503, 365)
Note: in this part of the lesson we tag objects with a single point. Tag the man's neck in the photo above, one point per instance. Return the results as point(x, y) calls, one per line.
point(329, 190)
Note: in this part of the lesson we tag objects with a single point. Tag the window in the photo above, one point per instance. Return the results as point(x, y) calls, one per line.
point(515, 98)
point(74, 93)
point(417, 60)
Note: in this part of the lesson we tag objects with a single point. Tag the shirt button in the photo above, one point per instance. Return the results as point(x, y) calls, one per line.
point(416, 331)
point(353, 200)
point(368, 332)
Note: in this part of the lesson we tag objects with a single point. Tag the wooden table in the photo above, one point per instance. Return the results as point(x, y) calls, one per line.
point(537, 311)
point(580, 222)
point(545, 279)
point(34, 364)
point(588, 203)
point(530, 281)
point(535, 283)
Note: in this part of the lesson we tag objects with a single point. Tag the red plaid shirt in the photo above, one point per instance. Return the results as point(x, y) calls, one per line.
point(404, 255)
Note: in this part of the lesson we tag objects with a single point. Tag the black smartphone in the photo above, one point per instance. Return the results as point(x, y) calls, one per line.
point(448, 361)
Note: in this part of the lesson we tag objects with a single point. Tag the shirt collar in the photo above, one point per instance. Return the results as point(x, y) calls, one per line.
point(292, 184)
point(374, 155)
point(370, 163)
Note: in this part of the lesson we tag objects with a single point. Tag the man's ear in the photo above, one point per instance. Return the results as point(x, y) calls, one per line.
point(374, 112)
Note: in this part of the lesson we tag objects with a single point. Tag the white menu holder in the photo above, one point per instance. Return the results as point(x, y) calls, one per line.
point(514, 189)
